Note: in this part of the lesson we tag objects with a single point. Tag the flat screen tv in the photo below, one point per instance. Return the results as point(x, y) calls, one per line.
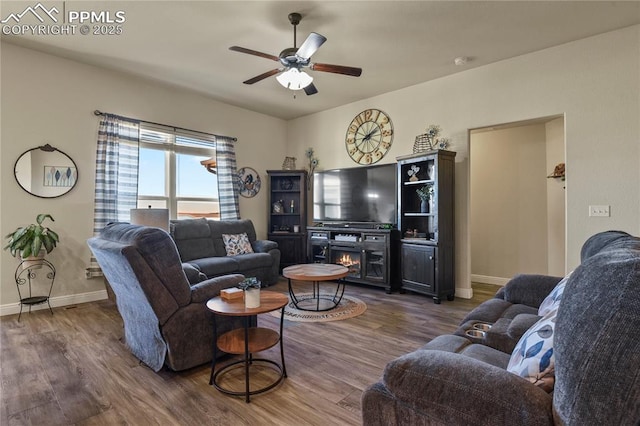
point(357, 194)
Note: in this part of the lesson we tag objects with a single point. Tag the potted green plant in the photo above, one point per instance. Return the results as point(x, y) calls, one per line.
point(32, 241)
point(251, 287)
point(425, 194)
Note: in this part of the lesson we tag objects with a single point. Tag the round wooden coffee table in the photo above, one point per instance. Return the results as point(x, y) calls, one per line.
point(316, 273)
point(248, 340)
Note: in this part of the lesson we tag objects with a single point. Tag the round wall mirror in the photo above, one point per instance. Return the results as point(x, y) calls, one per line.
point(46, 172)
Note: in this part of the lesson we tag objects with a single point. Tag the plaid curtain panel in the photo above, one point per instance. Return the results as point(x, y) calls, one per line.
point(227, 179)
point(116, 187)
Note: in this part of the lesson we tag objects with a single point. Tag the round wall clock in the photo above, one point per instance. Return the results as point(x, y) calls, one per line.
point(248, 182)
point(369, 136)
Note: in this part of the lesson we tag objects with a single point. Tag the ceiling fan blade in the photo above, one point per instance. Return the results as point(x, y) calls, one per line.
point(337, 69)
point(310, 89)
point(310, 45)
point(262, 76)
point(254, 52)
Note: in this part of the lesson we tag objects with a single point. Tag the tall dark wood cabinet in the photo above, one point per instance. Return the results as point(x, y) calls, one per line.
point(427, 229)
point(288, 214)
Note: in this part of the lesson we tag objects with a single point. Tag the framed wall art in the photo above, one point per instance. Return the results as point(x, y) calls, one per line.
point(61, 176)
point(248, 182)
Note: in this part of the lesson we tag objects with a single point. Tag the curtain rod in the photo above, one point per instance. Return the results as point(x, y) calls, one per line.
point(98, 112)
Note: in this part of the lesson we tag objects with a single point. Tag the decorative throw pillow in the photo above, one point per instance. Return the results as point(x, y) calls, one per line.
point(533, 357)
point(552, 301)
point(236, 244)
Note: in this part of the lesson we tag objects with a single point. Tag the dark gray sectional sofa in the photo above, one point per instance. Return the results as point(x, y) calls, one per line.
point(461, 380)
point(203, 253)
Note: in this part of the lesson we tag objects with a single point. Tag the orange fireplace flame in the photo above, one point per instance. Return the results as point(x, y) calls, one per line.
point(346, 260)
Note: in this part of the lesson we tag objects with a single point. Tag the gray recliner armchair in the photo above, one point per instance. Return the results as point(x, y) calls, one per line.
point(166, 321)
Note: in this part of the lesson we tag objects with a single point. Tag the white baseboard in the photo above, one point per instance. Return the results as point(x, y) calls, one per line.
point(465, 293)
point(72, 299)
point(485, 279)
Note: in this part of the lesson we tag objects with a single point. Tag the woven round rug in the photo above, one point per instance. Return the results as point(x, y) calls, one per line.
point(348, 307)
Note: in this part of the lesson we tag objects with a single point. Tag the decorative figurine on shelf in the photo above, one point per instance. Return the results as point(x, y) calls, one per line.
point(278, 207)
point(413, 173)
point(286, 184)
point(430, 141)
point(411, 233)
point(431, 171)
point(443, 143)
point(558, 172)
point(289, 163)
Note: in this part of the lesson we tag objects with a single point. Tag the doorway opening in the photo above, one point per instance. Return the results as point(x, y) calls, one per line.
point(517, 212)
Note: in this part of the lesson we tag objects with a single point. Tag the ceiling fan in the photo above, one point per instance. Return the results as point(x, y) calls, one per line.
point(294, 59)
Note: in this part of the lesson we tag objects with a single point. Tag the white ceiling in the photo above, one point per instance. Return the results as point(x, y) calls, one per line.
point(396, 43)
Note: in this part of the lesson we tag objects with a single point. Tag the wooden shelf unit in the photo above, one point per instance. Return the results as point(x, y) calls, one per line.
point(288, 186)
point(427, 264)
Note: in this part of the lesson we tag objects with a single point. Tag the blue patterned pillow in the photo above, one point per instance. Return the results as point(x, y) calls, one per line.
point(552, 301)
point(533, 357)
point(236, 244)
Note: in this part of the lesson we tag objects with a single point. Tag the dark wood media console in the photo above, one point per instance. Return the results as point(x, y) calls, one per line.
point(366, 249)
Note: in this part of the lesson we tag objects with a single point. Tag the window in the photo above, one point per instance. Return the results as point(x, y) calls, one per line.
point(172, 176)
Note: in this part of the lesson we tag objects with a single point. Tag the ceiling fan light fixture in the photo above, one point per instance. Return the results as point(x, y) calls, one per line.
point(294, 79)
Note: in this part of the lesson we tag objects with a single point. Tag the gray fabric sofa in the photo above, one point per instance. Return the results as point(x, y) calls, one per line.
point(512, 311)
point(166, 321)
point(203, 252)
point(458, 380)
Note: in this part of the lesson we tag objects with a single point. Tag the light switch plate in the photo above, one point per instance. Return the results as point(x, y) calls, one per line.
point(599, 211)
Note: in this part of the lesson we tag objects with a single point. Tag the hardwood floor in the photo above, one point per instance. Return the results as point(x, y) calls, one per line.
point(73, 368)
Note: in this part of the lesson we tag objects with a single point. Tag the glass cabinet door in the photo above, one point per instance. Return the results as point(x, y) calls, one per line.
point(375, 269)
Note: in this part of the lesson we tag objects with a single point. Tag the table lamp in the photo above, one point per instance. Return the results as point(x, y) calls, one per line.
point(158, 218)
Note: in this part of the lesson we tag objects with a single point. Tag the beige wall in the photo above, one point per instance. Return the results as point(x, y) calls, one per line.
point(556, 221)
point(517, 215)
point(46, 99)
point(593, 82)
point(508, 202)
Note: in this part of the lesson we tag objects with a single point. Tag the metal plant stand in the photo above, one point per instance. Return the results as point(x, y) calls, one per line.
point(26, 272)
